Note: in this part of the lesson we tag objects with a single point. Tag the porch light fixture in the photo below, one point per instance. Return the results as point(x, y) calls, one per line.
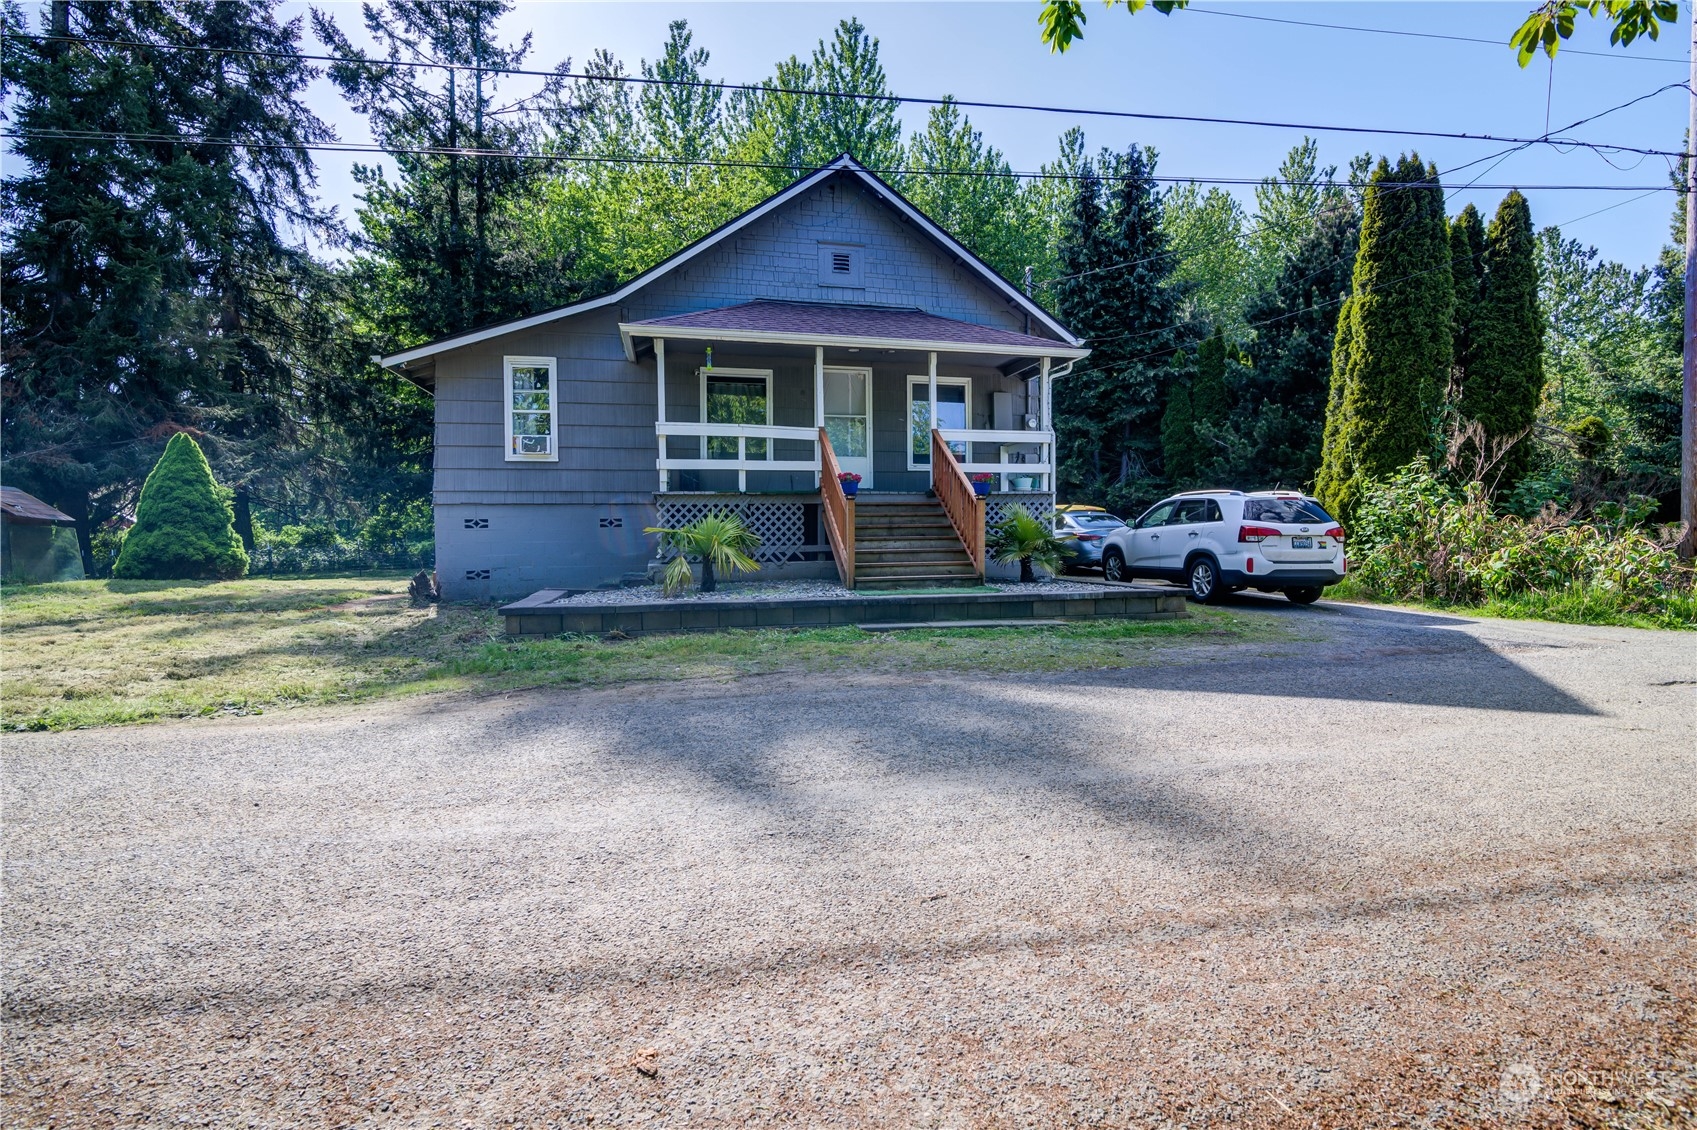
point(709, 356)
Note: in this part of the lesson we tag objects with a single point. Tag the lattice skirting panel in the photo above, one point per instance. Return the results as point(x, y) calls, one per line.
point(781, 522)
point(998, 506)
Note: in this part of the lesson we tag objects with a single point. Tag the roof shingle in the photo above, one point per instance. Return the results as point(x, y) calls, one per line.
point(847, 320)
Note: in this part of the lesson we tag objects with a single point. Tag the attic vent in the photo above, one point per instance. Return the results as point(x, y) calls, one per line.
point(841, 264)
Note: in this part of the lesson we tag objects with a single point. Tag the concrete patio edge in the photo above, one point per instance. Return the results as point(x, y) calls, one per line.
point(539, 615)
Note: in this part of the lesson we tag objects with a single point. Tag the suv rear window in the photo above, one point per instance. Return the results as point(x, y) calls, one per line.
point(1285, 511)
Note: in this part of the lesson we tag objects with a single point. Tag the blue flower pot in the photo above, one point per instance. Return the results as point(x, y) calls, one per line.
point(850, 489)
point(982, 490)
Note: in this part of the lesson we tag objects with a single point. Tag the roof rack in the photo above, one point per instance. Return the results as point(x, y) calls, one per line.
point(1187, 493)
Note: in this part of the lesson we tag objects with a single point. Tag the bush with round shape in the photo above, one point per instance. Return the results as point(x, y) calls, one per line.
point(184, 526)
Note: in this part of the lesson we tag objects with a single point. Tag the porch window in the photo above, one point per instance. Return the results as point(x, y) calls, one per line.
point(953, 396)
point(734, 397)
point(532, 427)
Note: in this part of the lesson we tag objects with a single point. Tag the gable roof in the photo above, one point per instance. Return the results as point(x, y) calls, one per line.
point(844, 164)
point(846, 323)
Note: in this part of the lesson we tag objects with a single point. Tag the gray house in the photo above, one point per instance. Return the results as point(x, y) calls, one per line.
point(831, 329)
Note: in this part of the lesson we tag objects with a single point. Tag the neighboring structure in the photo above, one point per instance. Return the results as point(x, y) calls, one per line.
point(832, 327)
point(37, 543)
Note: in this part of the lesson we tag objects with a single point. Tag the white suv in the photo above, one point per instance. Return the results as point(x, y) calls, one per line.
point(1219, 541)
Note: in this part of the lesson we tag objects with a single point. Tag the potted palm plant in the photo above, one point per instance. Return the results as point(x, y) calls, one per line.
point(981, 483)
point(1030, 541)
point(719, 541)
point(850, 483)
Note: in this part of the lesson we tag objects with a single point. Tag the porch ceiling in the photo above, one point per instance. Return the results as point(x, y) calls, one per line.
point(870, 330)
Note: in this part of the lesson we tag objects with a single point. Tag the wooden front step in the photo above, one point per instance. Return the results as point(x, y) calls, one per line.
point(908, 543)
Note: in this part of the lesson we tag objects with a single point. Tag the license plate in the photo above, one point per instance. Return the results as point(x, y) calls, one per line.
point(1302, 543)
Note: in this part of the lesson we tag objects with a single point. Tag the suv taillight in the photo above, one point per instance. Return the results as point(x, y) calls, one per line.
point(1088, 537)
point(1255, 533)
point(1335, 532)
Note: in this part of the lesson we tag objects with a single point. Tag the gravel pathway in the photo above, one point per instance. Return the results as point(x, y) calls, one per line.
point(1410, 871)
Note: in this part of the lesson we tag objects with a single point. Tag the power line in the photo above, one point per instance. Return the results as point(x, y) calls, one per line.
point(1636, 58)
point(722, 163)
point(761, 88)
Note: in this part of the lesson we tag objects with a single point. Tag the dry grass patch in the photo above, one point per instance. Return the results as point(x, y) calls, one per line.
point(94, 653)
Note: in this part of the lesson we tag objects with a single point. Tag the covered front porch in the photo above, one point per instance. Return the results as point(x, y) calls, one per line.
point(760, 407)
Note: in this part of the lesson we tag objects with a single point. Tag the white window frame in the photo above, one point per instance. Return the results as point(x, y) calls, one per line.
point(923, 381)
point(508, 364)
point(749, 374)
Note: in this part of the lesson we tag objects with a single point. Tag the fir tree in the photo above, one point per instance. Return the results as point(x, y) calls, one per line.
point(445, 247)
point(1505, 378)
point(1208, 398)
point(1116, 292)
point(1178, 436)
point(1398, 342)
point(147, 284)
point(183, 527)
point(1281, 412)
point(1467, 271)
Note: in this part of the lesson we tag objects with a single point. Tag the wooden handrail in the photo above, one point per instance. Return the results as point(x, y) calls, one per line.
point(962, 504)
point(838, 510)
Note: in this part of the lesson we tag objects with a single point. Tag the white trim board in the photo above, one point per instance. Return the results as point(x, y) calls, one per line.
point(628, 331)
point(843, 164)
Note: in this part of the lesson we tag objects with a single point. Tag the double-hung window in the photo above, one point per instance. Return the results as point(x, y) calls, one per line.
point(533, 426)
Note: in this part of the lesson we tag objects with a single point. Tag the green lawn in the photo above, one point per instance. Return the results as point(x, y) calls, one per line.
point(97, 653)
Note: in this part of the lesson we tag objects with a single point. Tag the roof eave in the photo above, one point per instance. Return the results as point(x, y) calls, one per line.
point(629, 331)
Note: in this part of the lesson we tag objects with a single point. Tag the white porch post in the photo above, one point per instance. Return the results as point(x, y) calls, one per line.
point(1048, 424)
point(818, 409)
point(932, 371)
point(660, 412)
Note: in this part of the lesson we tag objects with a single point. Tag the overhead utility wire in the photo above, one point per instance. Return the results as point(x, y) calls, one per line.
point(1495, 159)
point(758, 88)
point(704, 162)
point(1627, 56)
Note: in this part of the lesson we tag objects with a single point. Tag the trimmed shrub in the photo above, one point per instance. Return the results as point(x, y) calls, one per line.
point(183, 527)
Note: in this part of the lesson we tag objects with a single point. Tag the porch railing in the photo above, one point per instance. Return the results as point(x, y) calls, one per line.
point(1043, 470)
point(838, 510)
point(743, 463)
point(962, 504)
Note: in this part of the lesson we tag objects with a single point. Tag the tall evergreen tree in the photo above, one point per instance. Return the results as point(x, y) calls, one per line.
point(1280, 415)
point(1467, 271)
point(147, 284)
point(1211, 257)
point(1179, 454)
point(1505, 377)
point(1398, 344)
point(446, 246)
point(1116, 291)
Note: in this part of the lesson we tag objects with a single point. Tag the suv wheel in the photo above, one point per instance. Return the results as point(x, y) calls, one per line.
point(1113, 565)
point(1204, 581)
point(1302, 596)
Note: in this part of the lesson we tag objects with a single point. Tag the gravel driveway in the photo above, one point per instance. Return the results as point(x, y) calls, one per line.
point(1413, 870)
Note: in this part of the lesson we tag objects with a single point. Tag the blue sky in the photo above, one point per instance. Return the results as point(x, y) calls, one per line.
point(1198, 62)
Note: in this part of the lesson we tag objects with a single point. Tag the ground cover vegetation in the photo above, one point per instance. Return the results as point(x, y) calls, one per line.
point(168, 269)
point(93, 653)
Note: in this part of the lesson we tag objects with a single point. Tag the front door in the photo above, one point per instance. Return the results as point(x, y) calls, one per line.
point(848, 420)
